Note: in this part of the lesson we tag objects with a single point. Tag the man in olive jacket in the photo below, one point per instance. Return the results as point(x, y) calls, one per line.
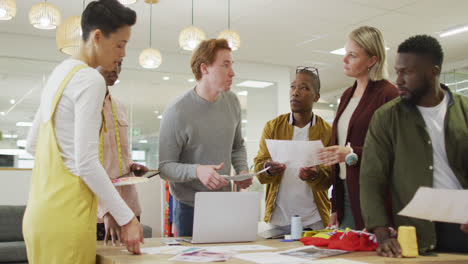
point(297, 191)
point(419, 139)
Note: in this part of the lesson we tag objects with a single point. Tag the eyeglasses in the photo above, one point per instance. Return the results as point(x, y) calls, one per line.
point(301, 69)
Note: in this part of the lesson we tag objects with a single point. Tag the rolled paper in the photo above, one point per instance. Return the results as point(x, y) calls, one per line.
point(408, 241)
point(296, 227)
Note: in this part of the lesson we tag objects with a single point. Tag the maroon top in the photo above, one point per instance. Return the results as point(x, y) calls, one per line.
point(376, 94)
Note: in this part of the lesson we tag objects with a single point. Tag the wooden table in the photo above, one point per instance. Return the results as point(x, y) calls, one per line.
point(115, 255)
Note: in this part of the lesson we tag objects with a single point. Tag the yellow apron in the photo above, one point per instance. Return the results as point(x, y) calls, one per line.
point(59, 225)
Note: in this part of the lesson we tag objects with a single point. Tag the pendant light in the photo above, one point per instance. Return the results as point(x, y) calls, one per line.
point(150, 58)
point(231, 36)
point(7, 9)
point(68, 35)
point(44, 16)
point(127, 2)
point(191, 36)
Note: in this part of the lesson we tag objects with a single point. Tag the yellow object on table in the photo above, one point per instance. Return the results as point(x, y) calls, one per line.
point(408, 241)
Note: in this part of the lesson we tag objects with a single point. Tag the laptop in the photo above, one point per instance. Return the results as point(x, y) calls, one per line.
point(221, 217)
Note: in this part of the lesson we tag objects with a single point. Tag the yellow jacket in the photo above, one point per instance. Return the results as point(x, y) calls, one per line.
point(281, 128)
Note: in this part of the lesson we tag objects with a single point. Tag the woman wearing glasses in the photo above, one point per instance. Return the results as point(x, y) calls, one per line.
point(365, 61)
point(59, 225)
point(290, 190)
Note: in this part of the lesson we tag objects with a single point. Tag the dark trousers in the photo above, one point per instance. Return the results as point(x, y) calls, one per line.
point(450, 238)
point(183, 218)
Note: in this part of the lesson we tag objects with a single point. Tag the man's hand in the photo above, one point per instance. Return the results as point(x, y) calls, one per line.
point(334, 220)
point(138, 169)
point(210, 178)
point(309, 173)
point(388, 246)
point(464, 228)
point(132, 235)
point(245, 183)
point(112, 229)
point(275, 167)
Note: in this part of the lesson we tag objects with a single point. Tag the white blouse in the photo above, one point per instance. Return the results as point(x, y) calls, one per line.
point(343, 127)
point(77, 123)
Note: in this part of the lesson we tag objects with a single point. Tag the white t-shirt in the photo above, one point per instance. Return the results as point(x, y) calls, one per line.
point(343, 126)
point(294, 195)
point(444, 178)
point(77, 122)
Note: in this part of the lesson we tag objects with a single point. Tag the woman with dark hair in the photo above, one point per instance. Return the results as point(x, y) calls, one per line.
point(59, 224)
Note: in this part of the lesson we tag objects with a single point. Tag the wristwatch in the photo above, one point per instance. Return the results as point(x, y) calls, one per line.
point(351, 158)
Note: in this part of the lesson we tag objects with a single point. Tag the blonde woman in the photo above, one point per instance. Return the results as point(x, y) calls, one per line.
point(365, 61)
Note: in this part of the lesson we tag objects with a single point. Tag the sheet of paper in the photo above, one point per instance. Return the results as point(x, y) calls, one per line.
point(312, 252)
point(203, 255)
point(295, 154)
point(242, 177)
point(242, 248)
point(271, 258)
point(438, 205)
point(338, 260)
point(169, 250)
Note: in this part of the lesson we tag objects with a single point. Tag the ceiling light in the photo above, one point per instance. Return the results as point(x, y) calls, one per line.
point(244, 121)
point(342, 51)
point(455, 83)
point(44, 16)
point(150, 58)
point(68, 35)
point(2, 113)
point(231, 36)
point(453, 31)
point(10, 136)
point(191, 36)
point(166, 78)
point(21, 143)
point(7, 9)
point(127, 2)
point(23, 124)
point(143, 141)
point(159, 116)
point(156, 111)
point(191, 80)
point(244, 93)
point(12, 101)
point(254, 84)
point(331, 105)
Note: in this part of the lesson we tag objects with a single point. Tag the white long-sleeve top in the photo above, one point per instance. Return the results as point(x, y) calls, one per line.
point(77, 122)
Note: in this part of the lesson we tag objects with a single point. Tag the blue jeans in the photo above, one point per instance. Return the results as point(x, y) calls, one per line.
point(183, 218)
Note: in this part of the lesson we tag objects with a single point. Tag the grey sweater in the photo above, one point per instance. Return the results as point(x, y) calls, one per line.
point(195, 131)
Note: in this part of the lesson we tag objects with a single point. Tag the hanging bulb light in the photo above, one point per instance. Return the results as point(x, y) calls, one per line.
point(150, 58)
point(44, 16)
point(231, 36)
point(191, 36)
point(68, 34)
point(7, 9)
point(127, 2)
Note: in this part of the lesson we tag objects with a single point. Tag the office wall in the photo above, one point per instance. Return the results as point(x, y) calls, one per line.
point(14, 190)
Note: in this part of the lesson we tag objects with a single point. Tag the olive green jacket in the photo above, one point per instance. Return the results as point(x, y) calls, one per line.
point(398, 151)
